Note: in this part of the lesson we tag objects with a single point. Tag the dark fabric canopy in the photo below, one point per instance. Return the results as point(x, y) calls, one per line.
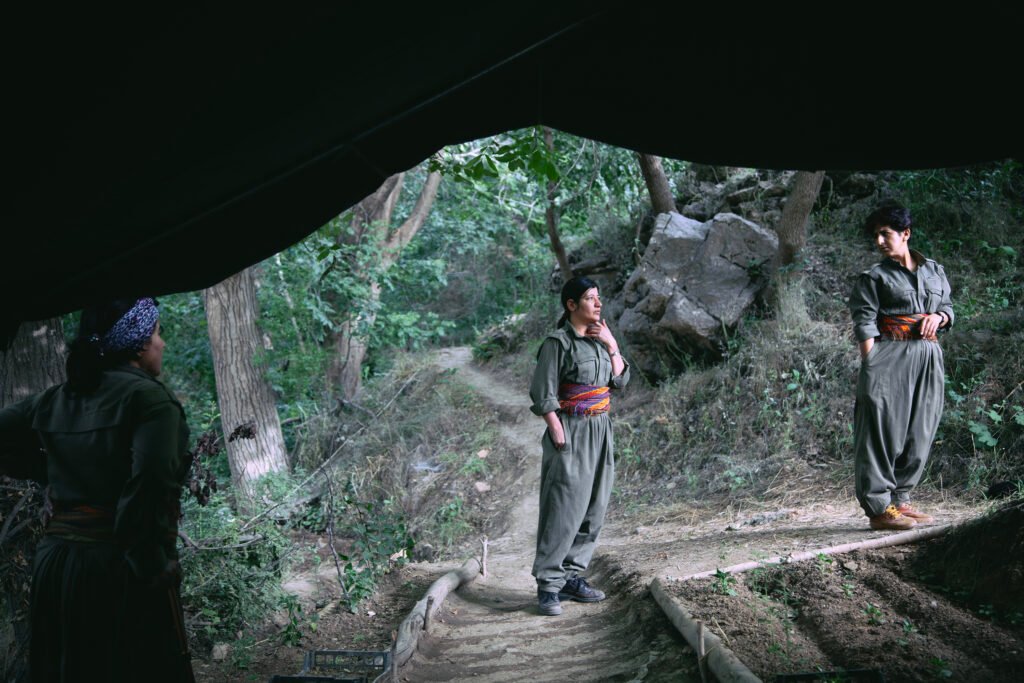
point(153, 154)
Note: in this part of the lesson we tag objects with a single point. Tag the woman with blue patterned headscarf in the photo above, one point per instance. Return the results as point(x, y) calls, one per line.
point(105, 578)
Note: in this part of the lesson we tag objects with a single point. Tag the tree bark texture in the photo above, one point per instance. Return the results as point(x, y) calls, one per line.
point(551, 216)
point(658, 188)
point(792, 227)
point(243, 394)
point(371, 222)
point(784, 293)
point(34, 361)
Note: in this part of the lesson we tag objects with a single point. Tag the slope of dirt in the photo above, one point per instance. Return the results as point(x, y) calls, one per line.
point(862, 610)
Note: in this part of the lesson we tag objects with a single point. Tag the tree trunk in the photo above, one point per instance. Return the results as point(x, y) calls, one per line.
point(792, 228)
point(34, 361)
point(662, 200)
point(371, 222)
point(351, 346)
point(787, 300)
point(243, 394)
point(551, 216)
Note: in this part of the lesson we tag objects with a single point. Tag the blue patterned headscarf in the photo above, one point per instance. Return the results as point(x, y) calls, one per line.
point(133, 329)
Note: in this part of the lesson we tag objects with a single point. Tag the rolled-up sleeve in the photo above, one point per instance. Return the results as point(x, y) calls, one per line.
point(946, 306)
point(864, 307)
point(620, 381)
point(544, 387)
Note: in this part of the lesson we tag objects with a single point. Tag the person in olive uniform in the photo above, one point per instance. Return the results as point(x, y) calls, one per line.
point(898, 307)
point(105, 602)
point(578, 367)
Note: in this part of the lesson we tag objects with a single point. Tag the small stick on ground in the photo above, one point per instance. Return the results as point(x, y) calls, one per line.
point(483, 559)
point(725, 638)
point(330, 536)
point(426, 613)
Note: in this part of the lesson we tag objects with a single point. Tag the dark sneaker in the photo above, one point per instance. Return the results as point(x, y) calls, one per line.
point(548, 604)
point(577, 589)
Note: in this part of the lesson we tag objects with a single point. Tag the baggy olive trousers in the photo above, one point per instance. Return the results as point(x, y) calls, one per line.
point(899, 403)
point(575, 487)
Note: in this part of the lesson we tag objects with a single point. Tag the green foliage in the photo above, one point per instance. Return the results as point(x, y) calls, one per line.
point(940, 668)
point(450, 522)
point(291, 634)
point(378, 541)
point(232, 580)
point(964, 186)
point(874, 614)
point(723, 583)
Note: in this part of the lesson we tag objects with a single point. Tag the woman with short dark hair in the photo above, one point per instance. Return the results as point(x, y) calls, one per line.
point(898, 307)
point(105, 604)
point(578, 367)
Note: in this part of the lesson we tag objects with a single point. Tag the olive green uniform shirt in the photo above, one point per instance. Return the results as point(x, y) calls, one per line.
point(888, 288)
point(568, 357)
point(123, 447)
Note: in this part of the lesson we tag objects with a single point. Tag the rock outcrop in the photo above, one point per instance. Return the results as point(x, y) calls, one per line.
point(694, 284)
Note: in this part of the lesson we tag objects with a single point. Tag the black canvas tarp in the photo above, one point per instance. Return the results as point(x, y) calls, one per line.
point(160, 153)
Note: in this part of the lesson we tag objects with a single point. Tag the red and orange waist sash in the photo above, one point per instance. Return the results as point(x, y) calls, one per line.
point(901, 327)
point(584, 399)
point(82, 522)
point(85, 522)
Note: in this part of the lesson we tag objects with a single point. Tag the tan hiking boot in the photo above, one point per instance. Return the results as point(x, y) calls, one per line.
point(892, 519)
point(908, 510)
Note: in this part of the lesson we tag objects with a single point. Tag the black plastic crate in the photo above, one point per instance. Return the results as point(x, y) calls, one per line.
point(355, 666)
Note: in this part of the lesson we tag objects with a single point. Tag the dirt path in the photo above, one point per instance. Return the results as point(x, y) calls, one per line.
point(490, 629)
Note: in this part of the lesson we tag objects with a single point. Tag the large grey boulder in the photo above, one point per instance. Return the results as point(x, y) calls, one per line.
point(694, 284)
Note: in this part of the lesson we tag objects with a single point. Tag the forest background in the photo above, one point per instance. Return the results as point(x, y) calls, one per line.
point(336, 334)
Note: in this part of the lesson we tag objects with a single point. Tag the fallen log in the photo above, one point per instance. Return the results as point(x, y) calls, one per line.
point(911, 536)
point(412, 626)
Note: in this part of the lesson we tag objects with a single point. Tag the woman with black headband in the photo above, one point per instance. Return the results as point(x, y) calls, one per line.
point(105, 599)
point(578, 366)
point(898, 308)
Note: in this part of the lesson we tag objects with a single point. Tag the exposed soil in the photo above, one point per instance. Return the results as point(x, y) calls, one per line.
point(869, 610)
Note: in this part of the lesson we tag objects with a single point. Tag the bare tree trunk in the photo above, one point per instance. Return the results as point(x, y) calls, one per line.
point(243, 394)
point(371, 222)
point(792, 230)
point(551, 217)
point(662, 200)
point(34, 361)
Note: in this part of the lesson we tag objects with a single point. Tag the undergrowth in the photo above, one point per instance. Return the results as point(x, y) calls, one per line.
point(431, 455)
